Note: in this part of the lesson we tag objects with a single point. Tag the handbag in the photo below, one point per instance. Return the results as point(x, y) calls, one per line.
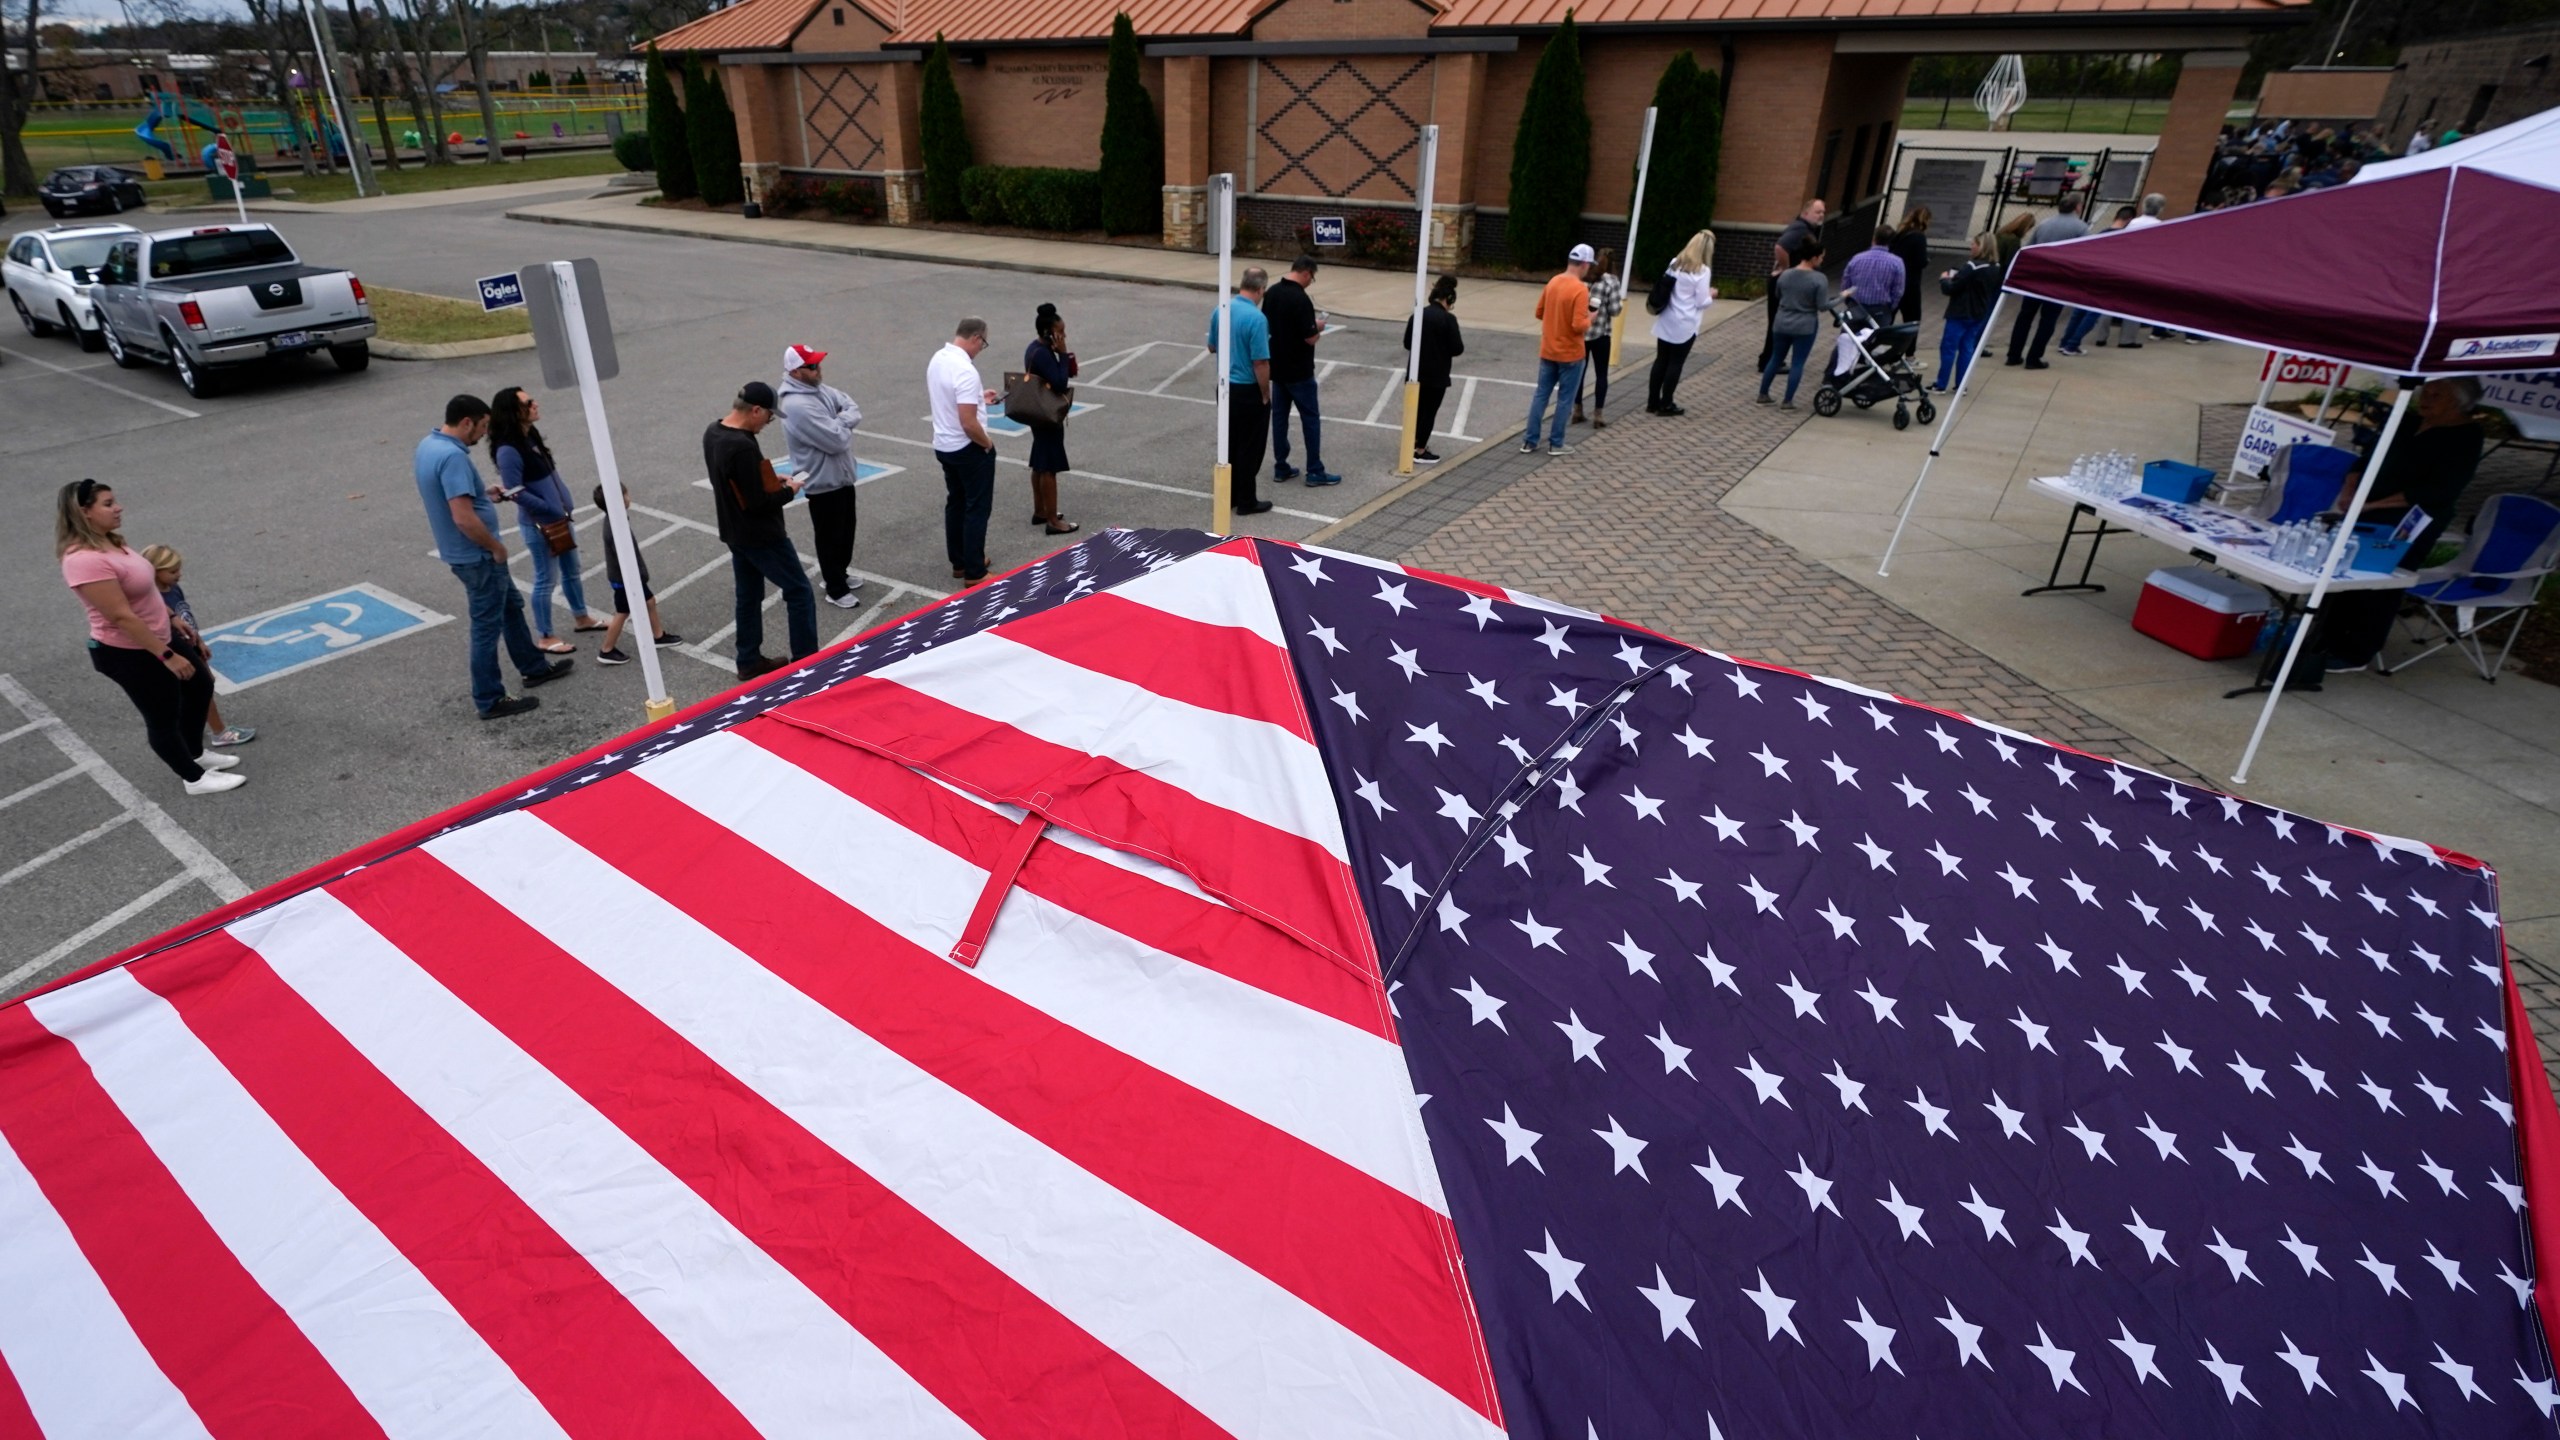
point(559, 536)
point(1028, 400)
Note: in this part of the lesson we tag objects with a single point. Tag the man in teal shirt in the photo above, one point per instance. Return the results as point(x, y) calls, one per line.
point(1248, 389)
point(465, 522)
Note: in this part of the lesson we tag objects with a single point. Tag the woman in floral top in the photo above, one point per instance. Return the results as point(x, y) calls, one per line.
point(1608, 297)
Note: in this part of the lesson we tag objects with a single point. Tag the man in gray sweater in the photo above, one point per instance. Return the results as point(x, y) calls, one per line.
point(818, 421)
point(2041, 315)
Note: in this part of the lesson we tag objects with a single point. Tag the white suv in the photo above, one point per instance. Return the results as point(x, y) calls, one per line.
point(49, 274)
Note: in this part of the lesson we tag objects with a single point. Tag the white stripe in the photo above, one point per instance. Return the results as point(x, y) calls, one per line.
point(1240, 1349)
point(1336, 1087)
point(410, 1360)
point(789, 1363)
point(1250, 767)
point(82, 1369)
point(1212, 588)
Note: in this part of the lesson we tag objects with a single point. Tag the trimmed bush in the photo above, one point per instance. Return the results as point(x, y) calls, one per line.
point(632, 148)
point(712, 128)
point(1034, 197)
point(1680, 191)
point(978, 197)
point(1550, 156)
point(1379, 235)
point(945, 135)
point(670, 154)
point(1132, 147)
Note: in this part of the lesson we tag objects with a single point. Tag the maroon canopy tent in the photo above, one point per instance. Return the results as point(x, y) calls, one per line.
point(2437, 265)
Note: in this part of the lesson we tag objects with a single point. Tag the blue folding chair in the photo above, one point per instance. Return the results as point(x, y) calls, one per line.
point(2514, 543)
point(2303, 480)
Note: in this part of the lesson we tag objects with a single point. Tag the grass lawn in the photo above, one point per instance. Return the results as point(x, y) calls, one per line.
point(409, 179)
point(415, 319)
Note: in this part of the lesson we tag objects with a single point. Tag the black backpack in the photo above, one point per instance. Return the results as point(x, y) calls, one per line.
point(1658, 299)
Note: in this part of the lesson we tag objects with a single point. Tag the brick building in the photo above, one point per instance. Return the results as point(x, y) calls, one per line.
point(1314, 104)
point(2473, 82)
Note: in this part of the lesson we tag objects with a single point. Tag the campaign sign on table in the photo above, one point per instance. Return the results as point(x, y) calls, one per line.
point(2531, 400)
point(2270, 431)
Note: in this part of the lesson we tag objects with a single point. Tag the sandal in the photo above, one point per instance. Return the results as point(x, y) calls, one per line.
point(1063, 526)
point(556, 647)
point(588, 624)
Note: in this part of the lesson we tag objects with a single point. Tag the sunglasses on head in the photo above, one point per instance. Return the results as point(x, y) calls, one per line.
point(88, 491)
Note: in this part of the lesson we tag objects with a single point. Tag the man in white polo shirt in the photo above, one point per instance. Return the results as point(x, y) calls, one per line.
point(960, 442)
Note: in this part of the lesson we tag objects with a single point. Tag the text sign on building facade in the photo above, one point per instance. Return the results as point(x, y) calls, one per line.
point(1328, 230)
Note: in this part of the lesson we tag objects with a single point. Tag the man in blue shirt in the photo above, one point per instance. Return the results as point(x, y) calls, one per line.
point(1248, 389)
point(463, 514)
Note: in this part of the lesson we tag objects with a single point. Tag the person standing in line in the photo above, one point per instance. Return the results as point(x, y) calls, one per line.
point(131, 640)
point(544, 507)
point(1782, 257)
point(1971, 289)
point(1804, 294)
point(168, 567)
point(748, 498)
point(1248, 390)
point(1441, 344)
point(1564, 317)
point(2082, 322)
point(1048, 360)
point(1875, 275)
point(818, 421)
point(462, 511)
point(2040, 316)
point(1911, 247)
point(960, 444)
point(2424, 140)
point(610, 653)
point(1295, 325)
point(2012, 238)
point(1690, 290)
point(1608, 297)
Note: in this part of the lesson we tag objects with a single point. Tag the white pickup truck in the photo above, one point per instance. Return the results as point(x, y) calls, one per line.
point(221, 296)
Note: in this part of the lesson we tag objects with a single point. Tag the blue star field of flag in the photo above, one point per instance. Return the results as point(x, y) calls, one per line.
point(1804, 1062)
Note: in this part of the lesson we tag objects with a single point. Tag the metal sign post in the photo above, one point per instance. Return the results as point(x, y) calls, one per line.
point(1222, 233)
point(1635, 217)
point(324, 48)
point(226, 160)
point(1421, 279)
point(574, 315)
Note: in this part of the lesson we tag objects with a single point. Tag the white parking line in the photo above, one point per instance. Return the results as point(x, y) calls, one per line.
point(1119, 359)
point(1184, 369)
point(1082, 474)
point(180, 411)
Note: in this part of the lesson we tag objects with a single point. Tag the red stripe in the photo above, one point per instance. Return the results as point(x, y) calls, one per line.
point(240, 1361)
point(1374, 1259)
point(584, 1351)
point(993, 1352)
point(1174, 921)
point(1286, 879)
point(17, 1422)
point(1216, 667)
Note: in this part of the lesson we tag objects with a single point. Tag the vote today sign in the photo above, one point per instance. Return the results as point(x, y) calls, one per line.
point(2296, 370)
point(2269, 431)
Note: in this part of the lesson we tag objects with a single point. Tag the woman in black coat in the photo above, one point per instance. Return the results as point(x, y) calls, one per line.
point(1441, 344)
point(1911, 247)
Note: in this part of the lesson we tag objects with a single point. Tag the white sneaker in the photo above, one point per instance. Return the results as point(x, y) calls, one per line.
point(851, 599)
point(215, 782)
point(217, 762)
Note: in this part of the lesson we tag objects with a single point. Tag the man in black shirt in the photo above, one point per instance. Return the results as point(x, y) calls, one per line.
point(748, 499)
point(1783, 256)
point(1293, 372)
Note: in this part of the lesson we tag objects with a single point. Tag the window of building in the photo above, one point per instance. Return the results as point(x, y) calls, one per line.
point(1830, 158)
point(1876, 172)
point(839, 14)
point(1857, 162)
point(2480, 100)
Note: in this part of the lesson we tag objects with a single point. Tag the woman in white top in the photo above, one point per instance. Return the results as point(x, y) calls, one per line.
point(1675, 324)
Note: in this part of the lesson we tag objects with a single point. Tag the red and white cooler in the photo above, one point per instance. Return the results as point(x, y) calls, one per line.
point(2202, 611)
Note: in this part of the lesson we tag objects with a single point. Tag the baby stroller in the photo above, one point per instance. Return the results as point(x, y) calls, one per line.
point(1878, 368)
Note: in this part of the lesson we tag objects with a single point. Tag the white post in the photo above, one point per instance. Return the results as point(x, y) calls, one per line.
point(573, 322)
point(2320, 585)
point(1222, 226)
point(1635, 218)
point(325, 56)
point(1955, 402)
point(2267, 382)
point(2328, 395)
point(239, 199)
point(1421, 283)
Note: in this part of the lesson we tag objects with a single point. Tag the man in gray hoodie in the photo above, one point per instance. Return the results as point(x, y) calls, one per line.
point(818, 421)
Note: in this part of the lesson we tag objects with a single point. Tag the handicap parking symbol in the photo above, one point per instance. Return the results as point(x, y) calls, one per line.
point(259, 648)
point(864, 472)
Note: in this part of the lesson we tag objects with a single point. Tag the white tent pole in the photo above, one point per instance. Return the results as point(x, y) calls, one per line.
point(2328, 395)
point(2267, 386)
point(2320, 586)
point(1955, 402)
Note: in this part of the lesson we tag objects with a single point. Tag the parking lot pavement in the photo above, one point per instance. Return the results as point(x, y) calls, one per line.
point(292, 498)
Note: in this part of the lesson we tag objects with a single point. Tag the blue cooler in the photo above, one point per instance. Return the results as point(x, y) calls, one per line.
point(2376, 552)
point(2175, 480)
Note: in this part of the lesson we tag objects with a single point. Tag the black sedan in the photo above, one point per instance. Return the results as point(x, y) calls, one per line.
point(91, 189)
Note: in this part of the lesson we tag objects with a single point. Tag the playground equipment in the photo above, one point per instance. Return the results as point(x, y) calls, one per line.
point(278, 127)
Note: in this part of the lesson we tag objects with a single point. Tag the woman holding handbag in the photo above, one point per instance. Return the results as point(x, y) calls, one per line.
point(527, 476)
point(1041, 397)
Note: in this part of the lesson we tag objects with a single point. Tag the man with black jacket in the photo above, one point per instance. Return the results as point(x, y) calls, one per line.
point(1294, 328)
point(749, 498)
point(1441, 344)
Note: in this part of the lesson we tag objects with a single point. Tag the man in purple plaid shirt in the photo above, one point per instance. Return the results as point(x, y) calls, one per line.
point(1877, 275)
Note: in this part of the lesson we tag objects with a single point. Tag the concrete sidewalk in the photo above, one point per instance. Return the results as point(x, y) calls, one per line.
point(1493, 305)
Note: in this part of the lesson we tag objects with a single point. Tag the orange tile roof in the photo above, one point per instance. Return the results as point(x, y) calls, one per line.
point(747, 25)
point(985, 21)
point(1507, 14)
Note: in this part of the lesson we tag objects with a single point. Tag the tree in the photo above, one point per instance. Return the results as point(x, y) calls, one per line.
point(471, 20)
point(945, 135)
point(1132, 147)
point(18, 87)
point(668, 147)
point(414, 31)
point(711, 127)
point(1550, 156)
point(368, 67)
point(1680, 186)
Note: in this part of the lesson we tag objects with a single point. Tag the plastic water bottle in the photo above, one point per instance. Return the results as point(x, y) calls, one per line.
point(2346, 558)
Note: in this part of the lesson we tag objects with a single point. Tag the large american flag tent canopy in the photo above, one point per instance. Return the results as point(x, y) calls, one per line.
point(1196, 988)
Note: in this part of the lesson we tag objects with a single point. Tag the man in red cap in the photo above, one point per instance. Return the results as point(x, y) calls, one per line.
point(818, 422)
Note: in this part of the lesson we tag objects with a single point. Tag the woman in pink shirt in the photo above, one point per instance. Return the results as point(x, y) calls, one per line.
point(129, 635)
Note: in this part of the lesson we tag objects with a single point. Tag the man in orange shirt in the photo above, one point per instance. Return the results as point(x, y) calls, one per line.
point(1564, 314)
